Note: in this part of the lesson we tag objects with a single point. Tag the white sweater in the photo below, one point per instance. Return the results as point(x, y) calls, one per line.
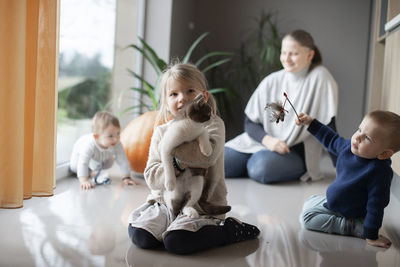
point(87, 154)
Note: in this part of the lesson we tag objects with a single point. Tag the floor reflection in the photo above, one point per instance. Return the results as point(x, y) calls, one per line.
point(335, 250)
point(77, 228)
point(232, 255)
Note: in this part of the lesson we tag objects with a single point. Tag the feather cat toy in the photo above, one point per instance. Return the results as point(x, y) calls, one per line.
point(278, 110)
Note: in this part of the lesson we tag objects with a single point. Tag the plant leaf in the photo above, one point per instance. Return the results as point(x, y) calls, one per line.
point(152, 97)
point(140, 90)
point(193, 46)
point(153, 63)
point(228, 91)
point(216, 64)
point(128, 109)
point(144, 104)
point(161, 64)
point(145, 83)
point(217, 53)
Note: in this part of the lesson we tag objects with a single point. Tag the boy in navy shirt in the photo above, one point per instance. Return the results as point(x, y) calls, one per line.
point(355, 201)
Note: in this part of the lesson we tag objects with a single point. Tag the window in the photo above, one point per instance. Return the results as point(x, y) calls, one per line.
point(85, 67)
point(93, 65)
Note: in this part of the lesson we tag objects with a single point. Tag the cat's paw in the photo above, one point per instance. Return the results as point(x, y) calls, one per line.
point(150, 199)
point(191, 212)
point(169, 185)
point(206, 150)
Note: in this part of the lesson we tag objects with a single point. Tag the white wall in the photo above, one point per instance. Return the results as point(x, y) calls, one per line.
point(157, 33)
point(158, 29)
point(124, 58)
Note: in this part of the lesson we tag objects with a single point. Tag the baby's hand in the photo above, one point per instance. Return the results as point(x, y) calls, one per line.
point(128, 181)
point(304, 119)
point(85, 184)
point(382, 242)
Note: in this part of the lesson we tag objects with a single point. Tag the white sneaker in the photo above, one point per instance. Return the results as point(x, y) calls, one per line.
point(103, 178)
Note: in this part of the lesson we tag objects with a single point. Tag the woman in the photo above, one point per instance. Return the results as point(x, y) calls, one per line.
point(271, 152)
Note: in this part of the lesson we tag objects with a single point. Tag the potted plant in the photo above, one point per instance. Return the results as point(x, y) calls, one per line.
point(257, 56)
point(136, 136)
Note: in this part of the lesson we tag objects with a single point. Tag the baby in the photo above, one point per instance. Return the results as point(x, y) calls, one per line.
point(355, 201)
point(94, 152)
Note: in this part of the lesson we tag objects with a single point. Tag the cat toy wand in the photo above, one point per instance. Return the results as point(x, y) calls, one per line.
point(278, 110)
point(285, 95)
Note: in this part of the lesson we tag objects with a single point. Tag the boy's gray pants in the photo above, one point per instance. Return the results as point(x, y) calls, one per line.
point(318, 218)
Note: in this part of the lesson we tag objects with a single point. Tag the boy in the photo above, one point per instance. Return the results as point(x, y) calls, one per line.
point(355, 201)
point(96, 151)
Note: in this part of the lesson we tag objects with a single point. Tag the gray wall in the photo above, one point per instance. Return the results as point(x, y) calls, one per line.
point(340, 29)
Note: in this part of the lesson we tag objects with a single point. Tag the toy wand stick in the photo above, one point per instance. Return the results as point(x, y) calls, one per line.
point(291, 105)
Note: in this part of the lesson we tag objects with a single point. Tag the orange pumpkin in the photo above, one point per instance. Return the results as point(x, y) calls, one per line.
point(135, 139)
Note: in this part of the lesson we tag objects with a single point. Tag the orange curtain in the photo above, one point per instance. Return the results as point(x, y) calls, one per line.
point(28, 97)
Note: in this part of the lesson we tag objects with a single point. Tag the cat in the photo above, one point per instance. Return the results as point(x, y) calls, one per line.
point(184, 191)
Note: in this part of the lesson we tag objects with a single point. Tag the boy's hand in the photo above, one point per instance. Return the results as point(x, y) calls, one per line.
point(274, 144)
point(85, 184)
point(128, 181)
point(382, 242)
point(304, 119)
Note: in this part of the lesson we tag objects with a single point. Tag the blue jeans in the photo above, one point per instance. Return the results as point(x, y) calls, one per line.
point(264, 166)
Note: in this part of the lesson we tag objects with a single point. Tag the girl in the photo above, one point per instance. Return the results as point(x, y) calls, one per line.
point(151, 225)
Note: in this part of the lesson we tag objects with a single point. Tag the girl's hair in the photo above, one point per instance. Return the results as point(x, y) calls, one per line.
point(305, 39)
point(102, 119)
point(187, 73)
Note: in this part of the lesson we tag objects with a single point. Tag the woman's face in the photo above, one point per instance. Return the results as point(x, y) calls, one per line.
point(179, 93)
point(295, 57)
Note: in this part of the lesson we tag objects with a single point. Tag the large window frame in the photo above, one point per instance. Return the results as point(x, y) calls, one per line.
point(130, 19)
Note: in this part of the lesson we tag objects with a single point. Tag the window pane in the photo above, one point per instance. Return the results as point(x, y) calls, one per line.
point(86, 60)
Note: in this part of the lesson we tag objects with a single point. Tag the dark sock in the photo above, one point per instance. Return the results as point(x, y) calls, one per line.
point(239, 231)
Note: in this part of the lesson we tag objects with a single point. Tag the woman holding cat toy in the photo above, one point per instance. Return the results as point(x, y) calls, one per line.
point(153, 224)
point(272, 149)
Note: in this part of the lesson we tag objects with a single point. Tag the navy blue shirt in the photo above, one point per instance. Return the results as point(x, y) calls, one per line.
point(362, 186)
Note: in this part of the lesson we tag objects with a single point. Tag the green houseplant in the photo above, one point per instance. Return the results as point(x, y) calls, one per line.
point(137, 135)
point(256, 57)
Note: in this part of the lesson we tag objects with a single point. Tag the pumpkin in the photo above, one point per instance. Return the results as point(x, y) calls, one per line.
point(136, 138)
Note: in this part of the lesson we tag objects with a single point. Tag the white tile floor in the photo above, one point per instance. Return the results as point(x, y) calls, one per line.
point(75, 228)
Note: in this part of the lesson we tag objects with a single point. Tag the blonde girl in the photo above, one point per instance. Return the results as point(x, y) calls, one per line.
point(152, 225)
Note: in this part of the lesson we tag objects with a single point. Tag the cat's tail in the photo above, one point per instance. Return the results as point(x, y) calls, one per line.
point(214, 209)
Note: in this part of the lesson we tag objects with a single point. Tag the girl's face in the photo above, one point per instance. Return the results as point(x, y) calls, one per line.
point(179, 93)
point(295, 57)
point(109, 137)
